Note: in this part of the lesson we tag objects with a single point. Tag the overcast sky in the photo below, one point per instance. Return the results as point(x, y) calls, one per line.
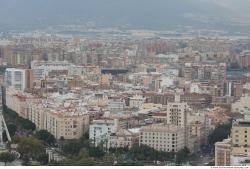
point(115, 12)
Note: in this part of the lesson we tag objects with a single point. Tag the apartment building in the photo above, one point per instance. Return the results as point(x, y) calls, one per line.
point(177, 112)
point(19, 102)
point(101, 129)
point(234, 150)
point(42, 69)
point(136, 101)
point(122, 139)
point(205, 71)
point(19, 79)
point(62, 116)
point(240, 134)
point(163, 137)
point(66, 125)
point(223, 153)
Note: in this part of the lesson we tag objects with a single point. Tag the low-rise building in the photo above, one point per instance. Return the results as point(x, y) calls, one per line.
point(240, 160)
point(122, 139)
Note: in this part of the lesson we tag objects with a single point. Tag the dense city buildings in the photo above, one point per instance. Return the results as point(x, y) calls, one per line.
point(170, 95)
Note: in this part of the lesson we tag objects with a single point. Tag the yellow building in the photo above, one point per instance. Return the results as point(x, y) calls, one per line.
point(64, 125)
point(240, 136)
point(237, 145)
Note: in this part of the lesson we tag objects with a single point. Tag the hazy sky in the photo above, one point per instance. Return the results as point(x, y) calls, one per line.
point(141, 13)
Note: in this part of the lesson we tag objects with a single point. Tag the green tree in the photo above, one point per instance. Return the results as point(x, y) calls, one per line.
point(73, 147)
point(29, 147)
point(45, 136)
point(81, 160)
point(220, 132)
point(7, 157)
point(182, 155)
point(27, 125)
point(144, 152)
point(5, 139)
point(96, 152)
point(12, 129)
point(43, 159)
point(12, 117)
point(26, 160)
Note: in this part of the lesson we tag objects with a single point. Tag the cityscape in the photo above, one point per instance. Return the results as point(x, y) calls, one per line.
point(109, 92)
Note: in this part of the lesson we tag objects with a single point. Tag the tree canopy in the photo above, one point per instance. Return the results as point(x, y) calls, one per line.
point(45, 136)
point(220, 132)
point(12, 128)
point(12, 117)
point(29, 147)
point(43, 159)
point(182, 155)
point(73, 147)
point(7, 157)
point(144, 152)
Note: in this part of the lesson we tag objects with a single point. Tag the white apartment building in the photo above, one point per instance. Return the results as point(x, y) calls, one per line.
point(41, 69)
point(136, 101)
point(101, 129)
point(15, 78)
point(116, 104)
point(163, 137)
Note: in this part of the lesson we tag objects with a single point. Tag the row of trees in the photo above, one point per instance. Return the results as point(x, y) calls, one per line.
point(76, 150)
point(31, 147)
point(15, 122)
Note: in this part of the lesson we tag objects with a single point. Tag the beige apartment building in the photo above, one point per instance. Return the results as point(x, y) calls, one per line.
point(240, 134)
point(237, 145)
point(223, 153)
point(60, 119)
point(163, 137)
point(177, 112)
point(65, 125)
point(122, 139)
